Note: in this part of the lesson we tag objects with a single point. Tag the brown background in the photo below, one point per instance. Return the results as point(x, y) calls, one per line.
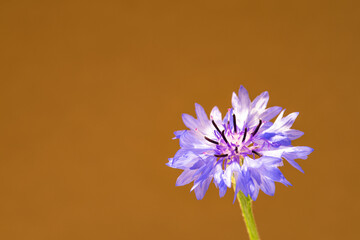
point(91, 92)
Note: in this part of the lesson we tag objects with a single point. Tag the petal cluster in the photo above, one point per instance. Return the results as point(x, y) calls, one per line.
point(243, 148)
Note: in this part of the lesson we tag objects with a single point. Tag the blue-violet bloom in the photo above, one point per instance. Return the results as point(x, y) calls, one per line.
point(244, 148)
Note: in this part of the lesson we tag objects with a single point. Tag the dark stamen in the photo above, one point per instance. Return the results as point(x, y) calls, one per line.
point(212, 141)
point(255, 152)
point(234, 122)
point(213, 122)
point(221, 155)
point(236, 149)
point(257, 128)
point(223, 135)
point(244, 135)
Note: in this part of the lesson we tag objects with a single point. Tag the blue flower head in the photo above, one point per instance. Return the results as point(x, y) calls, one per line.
point(244, 148)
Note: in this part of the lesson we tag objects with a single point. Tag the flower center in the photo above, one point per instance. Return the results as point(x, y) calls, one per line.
point(233, 144)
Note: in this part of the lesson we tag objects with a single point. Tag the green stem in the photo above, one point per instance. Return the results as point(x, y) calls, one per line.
point(245, 205)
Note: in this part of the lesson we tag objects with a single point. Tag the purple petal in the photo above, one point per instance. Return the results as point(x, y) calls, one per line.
point(293, 153)
point(268, 187)
point(288, 121)
point(235, 101)
point(191, 139)
point(244, 97)
point(216, 114)
point(254, 190)
point(278, 119)
point(179, 133)
point(186, 177)
point(206, 171)
point(201, 114)
point(293, 134)
point(184, 159)
point(271, 161)
point(170, 163)
point(285, 182)
point(233, 167)
point(270, 113)
point(222, 191)
point(242, 180)
point(295, 165)
point(241, 107)
point(202, 188)
point(198, 165)
point(260, 101)
point(273, 173)
point(301, 152)
point(190, 121)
